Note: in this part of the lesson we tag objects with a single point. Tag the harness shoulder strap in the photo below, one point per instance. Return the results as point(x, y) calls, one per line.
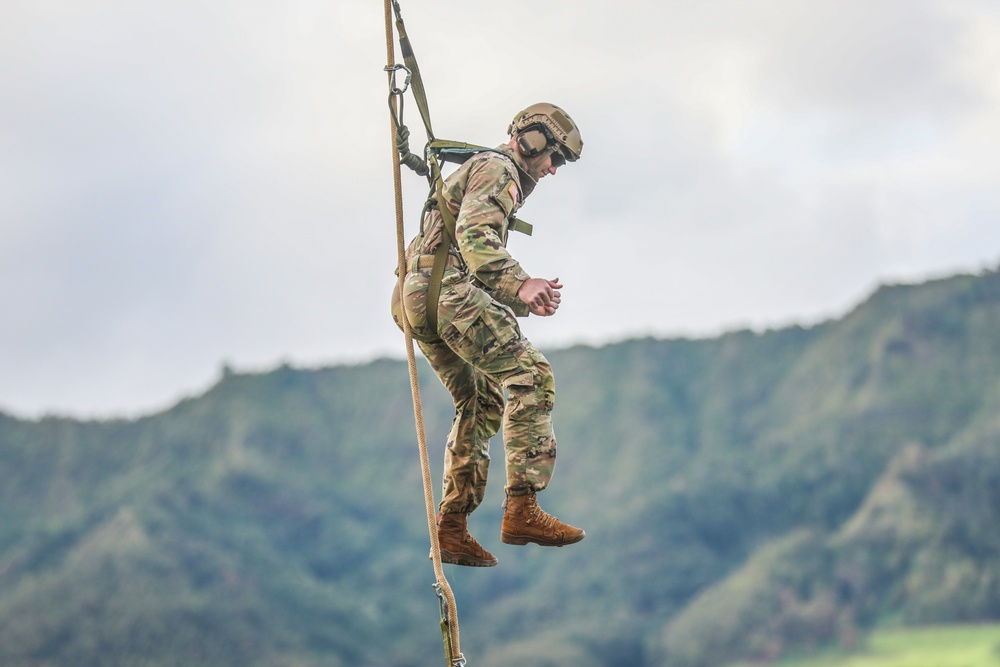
point(457, 152)
point(440, 257)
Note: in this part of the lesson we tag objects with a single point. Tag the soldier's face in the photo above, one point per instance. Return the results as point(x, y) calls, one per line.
point(544, 166)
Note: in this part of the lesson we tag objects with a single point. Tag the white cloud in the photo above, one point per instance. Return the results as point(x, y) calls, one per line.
point(184, 184)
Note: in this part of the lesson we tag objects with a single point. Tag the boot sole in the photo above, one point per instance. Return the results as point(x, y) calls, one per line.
point(465, 560)
point(521, 540)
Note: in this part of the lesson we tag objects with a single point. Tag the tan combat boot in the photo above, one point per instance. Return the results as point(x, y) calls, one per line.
point(458, 547)
point(524, 521)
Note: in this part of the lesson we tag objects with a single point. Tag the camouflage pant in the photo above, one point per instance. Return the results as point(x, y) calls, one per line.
point(476, 363)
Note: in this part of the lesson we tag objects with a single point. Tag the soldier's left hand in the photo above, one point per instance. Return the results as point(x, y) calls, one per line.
point(541, 295)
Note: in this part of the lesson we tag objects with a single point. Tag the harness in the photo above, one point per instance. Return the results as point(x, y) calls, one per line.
point(436, 152)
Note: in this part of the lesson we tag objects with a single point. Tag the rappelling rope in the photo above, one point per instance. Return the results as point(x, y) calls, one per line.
point(449, 610)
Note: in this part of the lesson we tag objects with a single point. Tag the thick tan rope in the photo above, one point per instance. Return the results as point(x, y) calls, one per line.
point(455, 654)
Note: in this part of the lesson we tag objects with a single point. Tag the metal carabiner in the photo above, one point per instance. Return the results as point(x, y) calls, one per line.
point(446, 627)
point(392, 82)
point(442, 600)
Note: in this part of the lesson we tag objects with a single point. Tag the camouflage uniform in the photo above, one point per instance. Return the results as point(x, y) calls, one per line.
point(478, 350)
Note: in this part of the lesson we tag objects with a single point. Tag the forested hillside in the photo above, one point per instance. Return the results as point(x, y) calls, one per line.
point(743, 496)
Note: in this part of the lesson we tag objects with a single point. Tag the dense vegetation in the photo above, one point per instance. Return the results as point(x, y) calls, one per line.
point(927, 646)
point(744, 497)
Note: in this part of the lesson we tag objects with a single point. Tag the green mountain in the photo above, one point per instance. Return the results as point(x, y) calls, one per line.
point(744, 497)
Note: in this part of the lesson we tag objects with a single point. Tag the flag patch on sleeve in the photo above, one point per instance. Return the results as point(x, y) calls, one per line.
point(513, 192)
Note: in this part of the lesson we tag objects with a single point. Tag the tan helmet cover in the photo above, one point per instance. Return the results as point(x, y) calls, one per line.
point(557, 122)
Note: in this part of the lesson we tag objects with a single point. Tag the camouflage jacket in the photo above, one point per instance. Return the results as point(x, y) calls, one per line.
point(485, 191)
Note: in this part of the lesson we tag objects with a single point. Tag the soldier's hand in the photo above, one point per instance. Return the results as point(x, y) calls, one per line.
point(541, 295)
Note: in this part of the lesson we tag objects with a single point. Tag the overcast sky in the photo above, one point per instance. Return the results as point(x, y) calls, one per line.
point(186, 184)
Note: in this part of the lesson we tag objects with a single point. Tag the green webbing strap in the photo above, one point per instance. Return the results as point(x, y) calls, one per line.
point(447, 144)
point(419, 94)
point(518, 225)
point(441, 254)
point(455, 151)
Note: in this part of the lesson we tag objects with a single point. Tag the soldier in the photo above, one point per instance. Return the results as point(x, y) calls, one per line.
point(477, 349)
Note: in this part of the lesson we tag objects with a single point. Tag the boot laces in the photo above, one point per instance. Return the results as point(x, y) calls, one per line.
point(541, 517)
point(473, 542)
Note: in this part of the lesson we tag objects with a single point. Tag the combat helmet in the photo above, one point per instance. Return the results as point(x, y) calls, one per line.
point(545, 125)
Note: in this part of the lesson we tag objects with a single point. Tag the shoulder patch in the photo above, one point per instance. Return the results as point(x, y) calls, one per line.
point(515, 194)
point(507, 196)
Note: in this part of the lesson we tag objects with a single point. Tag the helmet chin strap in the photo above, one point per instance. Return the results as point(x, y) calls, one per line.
point(531, 167)
point(529, 164)
point(532, 162)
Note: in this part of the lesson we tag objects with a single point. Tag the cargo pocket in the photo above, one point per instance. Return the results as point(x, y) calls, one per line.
point(524, 382)
point(413, 306)
point(396, 307)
